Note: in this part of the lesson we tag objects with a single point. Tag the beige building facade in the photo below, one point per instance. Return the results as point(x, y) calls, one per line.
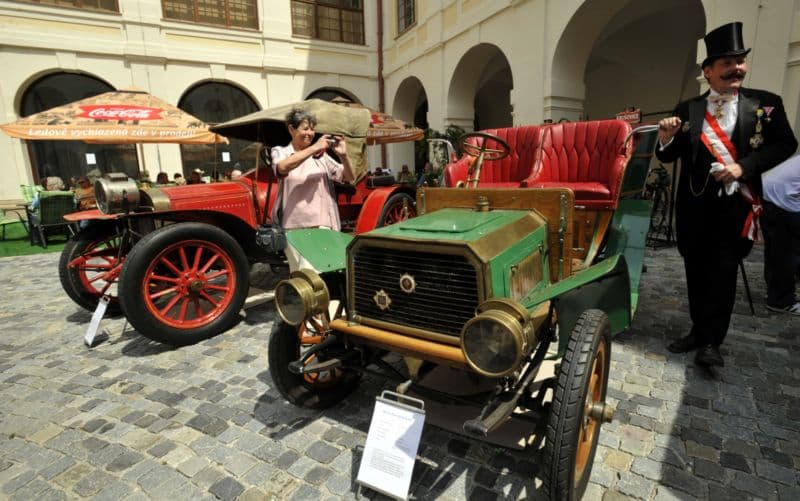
point(471, 63)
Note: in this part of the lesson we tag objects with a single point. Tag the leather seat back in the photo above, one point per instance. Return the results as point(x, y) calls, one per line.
point(585, 152)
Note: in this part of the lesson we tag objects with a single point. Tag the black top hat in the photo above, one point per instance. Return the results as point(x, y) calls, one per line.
point(724, 41)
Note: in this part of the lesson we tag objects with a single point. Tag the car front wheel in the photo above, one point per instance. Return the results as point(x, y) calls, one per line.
point(184, 283)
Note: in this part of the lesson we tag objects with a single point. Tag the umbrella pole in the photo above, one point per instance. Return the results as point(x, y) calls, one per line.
point(142, 163)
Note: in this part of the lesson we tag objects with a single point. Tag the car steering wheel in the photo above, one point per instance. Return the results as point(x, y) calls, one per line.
point(481, 152)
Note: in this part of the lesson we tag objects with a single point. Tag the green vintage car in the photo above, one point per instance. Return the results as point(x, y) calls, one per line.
point(537, 255)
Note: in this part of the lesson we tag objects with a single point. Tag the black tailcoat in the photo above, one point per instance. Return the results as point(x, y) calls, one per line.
point(709, 226)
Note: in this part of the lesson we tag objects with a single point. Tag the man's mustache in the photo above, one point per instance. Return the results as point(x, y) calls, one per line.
point(735, 74)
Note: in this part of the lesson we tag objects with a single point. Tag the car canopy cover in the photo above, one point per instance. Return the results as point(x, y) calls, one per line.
point(269, 127)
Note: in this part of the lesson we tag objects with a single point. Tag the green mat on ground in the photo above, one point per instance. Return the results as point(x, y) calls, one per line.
point(16, 242)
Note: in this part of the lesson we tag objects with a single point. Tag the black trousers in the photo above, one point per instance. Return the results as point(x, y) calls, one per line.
point(781, 252)
point(711, 282)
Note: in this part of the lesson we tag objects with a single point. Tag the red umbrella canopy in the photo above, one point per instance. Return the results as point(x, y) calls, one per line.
point(118, 117)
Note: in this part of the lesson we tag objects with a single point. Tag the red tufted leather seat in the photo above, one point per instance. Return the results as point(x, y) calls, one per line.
point(587, 157)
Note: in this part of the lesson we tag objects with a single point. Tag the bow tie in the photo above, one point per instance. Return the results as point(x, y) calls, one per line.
point(720, 99)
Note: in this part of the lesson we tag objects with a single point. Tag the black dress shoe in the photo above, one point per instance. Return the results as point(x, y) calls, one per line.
point(709, 356)
point(684, 344)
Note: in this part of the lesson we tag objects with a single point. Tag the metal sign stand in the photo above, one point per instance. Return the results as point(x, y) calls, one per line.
point(392, 443)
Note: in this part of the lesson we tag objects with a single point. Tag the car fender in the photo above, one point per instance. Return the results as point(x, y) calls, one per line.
point(373, 205)
point(325, 249)
point(604, 286)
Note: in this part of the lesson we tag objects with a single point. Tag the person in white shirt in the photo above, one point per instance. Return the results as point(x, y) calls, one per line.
point(781, 226)
point(725, 139)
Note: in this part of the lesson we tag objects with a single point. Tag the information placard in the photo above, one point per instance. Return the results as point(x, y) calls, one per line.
point(392, 443)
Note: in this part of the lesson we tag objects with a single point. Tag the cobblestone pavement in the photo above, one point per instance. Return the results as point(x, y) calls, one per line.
point(135, 420)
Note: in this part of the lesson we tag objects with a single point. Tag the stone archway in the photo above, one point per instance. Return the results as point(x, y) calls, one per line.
point(411, 105)
point(216, 102)
point(331, 93)
point(480, 90)
point(617, 53)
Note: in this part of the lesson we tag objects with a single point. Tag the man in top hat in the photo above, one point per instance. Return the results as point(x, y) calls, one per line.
point(725, 138)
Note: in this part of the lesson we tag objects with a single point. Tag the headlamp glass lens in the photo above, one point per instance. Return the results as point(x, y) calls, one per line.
point(490, 346)
point(290, 303)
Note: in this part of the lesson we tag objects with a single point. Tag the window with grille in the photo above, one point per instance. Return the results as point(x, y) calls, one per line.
point(335, 20)
point(98, 5)
point(228, 13)
point(406, 15)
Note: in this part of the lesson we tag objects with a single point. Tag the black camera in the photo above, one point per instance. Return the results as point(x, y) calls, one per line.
point(333, 141)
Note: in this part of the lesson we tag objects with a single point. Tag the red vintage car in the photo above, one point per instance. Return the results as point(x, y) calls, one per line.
point(175, 260)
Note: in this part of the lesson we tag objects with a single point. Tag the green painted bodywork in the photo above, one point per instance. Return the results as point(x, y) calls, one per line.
point(501, 265)
point(627, 236)
point(604, 286)
point(459, 225)
point(326, 250)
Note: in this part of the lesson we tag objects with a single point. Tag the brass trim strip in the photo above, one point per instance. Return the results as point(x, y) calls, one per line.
point(411, 331)
point(425, 350)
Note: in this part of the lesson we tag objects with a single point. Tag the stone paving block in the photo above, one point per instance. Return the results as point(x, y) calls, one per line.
point(92, 483)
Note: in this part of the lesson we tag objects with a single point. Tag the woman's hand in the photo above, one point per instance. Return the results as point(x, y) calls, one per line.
point(341, 146)
point(322, 144)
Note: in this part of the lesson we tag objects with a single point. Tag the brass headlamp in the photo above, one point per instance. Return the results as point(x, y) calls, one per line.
point(300, 296)
point(497, 339)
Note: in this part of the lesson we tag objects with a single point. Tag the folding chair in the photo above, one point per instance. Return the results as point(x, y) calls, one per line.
point(53, 205)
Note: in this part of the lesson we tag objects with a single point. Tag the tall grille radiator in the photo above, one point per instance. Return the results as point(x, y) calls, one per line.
point(445, 296)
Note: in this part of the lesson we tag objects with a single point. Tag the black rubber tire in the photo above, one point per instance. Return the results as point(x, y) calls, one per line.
point(284, 347)
point(566, 414)
point(398, 199)
point(70, 278)
point(132, 281)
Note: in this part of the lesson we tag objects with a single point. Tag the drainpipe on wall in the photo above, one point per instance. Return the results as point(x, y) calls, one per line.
point(381, 101)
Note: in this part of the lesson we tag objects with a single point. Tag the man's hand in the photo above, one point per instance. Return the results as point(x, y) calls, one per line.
point(667, 128)
point(729, 174)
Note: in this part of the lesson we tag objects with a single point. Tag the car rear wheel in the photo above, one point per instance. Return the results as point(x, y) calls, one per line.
point(184, 283)
point(578, 408)
point(398, 207)
point(312, 391)
point(90, 264)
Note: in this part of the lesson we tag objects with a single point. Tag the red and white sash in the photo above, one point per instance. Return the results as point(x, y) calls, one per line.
point(722, 149)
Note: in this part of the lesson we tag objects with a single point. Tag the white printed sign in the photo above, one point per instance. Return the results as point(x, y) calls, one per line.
point(91, 159)
point(226, 156)
point(391, 447)
point(91, 332)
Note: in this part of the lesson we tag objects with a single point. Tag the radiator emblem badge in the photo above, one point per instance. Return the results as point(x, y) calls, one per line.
point(407, 283)
point(382, 299)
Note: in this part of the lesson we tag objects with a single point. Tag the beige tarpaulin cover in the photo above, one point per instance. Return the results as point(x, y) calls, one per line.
point(269, 127)
point(384, 128)
point(119, 117)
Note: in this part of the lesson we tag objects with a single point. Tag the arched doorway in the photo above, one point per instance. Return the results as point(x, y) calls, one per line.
point(479, 96)
point(213, 103)
point(72, 159)
point(411, 105)
point(618, 53)
point(331, 93)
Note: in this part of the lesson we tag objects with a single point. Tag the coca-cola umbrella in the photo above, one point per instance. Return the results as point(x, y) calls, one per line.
point(117, 117)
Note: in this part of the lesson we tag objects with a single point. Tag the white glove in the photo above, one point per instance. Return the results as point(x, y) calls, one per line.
point(729, 188)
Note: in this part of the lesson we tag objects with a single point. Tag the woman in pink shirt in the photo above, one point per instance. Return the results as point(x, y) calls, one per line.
point(305, 169)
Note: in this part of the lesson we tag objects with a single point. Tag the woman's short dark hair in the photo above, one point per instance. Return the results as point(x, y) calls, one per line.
point(298, 116)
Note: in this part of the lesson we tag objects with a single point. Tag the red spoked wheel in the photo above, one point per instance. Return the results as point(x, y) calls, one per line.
point(398, 207)
point(184, 283)
point(90, 264)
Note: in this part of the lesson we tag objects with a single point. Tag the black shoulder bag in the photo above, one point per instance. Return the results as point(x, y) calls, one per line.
point(272, 237)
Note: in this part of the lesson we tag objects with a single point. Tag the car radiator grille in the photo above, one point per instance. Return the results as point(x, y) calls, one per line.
point(445, 297)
